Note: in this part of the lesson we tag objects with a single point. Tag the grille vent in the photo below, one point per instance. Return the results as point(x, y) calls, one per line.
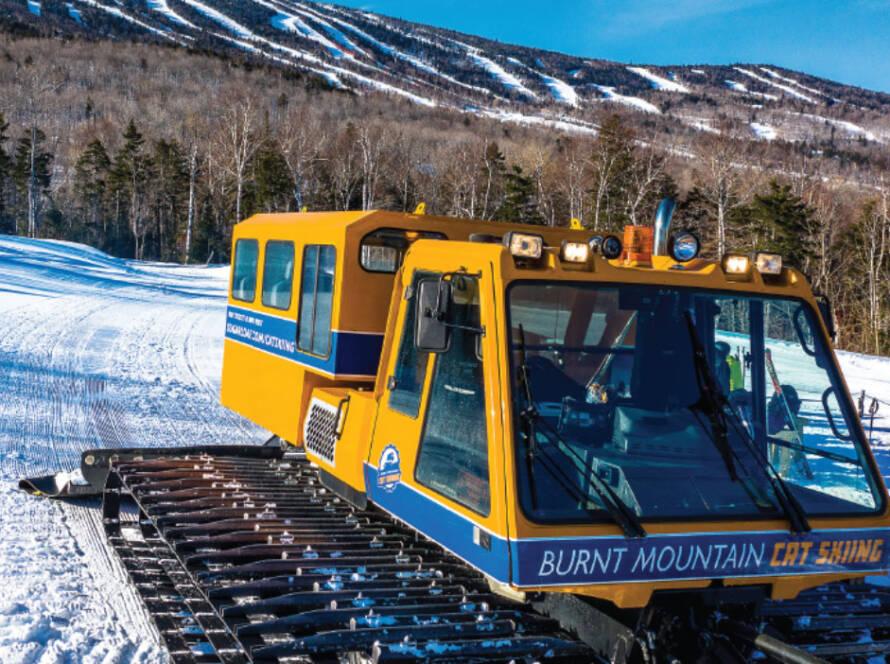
point(319, 432)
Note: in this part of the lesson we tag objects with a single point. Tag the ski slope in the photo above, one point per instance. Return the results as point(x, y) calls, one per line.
point(96, 352)
point(102, 352)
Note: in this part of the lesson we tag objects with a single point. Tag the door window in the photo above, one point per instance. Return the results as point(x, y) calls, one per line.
point(453, 456)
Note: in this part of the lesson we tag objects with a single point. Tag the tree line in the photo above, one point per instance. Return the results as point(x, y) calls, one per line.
point(175, 196)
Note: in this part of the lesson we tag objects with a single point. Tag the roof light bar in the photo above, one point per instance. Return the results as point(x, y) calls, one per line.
point(683, 247)
point(611, 247)
point(574, 252)
point(524, 245)
point(770, 264)
point(737, 265)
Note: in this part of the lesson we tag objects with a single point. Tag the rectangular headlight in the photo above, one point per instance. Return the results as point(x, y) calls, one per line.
point(524, 245)
point(574, 252)
point(736, 264)
point(768, 263)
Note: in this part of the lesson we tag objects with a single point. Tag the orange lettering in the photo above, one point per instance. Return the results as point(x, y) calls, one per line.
point(877, 551)
point(823, 553)
point(864, 551)
point(847, 549)
point(778, 546)
point(804, 551)
point(791, 551)
point(836, 550)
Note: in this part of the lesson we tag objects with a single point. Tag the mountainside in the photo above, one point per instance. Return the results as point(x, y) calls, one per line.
point(360, 51)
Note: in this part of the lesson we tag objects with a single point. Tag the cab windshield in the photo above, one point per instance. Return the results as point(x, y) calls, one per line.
point(607, 390)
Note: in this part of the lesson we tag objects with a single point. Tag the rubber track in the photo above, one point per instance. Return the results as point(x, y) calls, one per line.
point(248, 560)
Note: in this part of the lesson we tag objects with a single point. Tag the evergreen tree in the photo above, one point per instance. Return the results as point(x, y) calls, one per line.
point(91, 174)
point(169, 192)
point(519, 204)
point(32, 172)
point(493, 168)
point(612, 162)
point(273, 185)
point(781, 222)
point(129, 178)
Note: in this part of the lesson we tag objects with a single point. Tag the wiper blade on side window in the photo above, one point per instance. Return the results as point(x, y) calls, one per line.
point(716, 406)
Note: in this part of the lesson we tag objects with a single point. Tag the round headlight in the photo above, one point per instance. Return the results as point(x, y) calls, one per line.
point(683, 247)
point(611, 247)
point(595, 242)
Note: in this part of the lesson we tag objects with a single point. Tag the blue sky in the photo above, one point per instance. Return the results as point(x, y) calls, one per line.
point(844, 40)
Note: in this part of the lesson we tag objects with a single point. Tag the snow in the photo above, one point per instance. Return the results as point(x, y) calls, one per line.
point(792, 81)
point(114, 11)
point(561, 90)
point(162, 7)
point(741, 87)
point(659, 82)
point(508, 80)
point(34, 7)
point(763, 131)
point(847, 126)
point(636, 102)
point(789, 90)
point(291, 23)
point(229, 24)
point(96, 352)
point(701, 72)
point(74, 13)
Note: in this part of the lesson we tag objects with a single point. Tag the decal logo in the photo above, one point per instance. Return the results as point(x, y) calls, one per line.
point(389, 470)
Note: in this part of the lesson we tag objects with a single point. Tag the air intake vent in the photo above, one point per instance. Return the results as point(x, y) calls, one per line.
point(319, 432)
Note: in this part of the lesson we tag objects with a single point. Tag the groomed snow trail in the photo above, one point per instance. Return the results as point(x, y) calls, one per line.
point(95, 352)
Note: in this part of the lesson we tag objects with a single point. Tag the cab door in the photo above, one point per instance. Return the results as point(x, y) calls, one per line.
point(437, 437)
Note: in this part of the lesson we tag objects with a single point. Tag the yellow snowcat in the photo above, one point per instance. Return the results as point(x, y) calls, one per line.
point(504, 443)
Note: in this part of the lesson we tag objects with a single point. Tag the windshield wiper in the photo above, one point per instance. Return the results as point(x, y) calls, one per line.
point(617, 509)
point(716, 405)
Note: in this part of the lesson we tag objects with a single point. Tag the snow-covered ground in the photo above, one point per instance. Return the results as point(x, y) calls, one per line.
point(95, 352)
point(101, 352)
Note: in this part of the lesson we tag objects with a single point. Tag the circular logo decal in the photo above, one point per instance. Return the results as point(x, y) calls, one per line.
point(389, 470)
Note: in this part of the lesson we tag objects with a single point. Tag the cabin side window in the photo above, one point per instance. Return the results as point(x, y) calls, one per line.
point(278, 274)
point(316, 299)
point(383, 250)
point(244, 268)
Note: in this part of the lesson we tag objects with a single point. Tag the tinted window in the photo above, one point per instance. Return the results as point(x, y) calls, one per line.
point(244, 270)
point(278, 274)
point(410, 364)
point(317, 298)
point(453, 457)
point(382, 250)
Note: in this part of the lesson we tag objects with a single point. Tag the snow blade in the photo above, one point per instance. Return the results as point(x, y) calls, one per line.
point(94, 466)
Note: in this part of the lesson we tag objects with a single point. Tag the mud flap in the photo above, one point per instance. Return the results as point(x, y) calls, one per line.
point(94, 465)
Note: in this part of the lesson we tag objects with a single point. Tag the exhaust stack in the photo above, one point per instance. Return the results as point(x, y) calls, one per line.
point(662, 226)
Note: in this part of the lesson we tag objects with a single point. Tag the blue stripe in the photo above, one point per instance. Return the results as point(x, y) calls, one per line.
point(351, 354)
point(440, 524)
point(541, 562)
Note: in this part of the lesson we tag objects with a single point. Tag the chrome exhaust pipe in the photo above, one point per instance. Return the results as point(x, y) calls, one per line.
point(662, 226)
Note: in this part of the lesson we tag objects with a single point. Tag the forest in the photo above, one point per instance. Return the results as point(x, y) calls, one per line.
point(154, 154)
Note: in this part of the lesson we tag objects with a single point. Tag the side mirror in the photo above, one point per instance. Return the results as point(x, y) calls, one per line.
point(825, 310)
point(431, 333)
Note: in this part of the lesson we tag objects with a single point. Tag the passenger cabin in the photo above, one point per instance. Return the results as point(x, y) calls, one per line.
point(309, 295)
